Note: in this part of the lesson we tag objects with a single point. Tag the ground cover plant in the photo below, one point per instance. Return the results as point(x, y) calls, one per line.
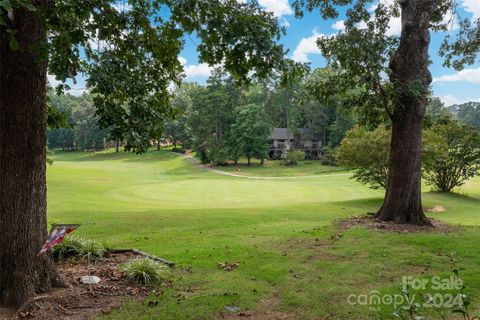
point(292, 257)
point(145, 270)
point(76, 247)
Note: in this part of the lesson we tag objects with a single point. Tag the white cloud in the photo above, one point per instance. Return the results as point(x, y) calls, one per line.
point(473, 7)
point(307, 46)
point(450, 99)
point(466, 75)
point(52, 81)
point(339, 25)
point(73, 91)
point(122, 6)
point(278, 7)
point(394, 26)
point(195, 70)
point(182, 60)
point(199, 70)
point(395, 23)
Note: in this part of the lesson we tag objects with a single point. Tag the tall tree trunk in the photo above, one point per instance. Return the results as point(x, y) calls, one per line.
point(158, 144)
point(410, 75)
point(117, 145)
point(23, 222)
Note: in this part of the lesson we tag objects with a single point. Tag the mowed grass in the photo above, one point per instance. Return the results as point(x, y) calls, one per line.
point(275, 168)
point(279, 230)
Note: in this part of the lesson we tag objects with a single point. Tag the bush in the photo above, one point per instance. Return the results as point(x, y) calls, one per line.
point(451, 155)
point(219, 155)
point(77, 247)
point(145, 271)
point(368, 153)
point(92, 248)
point(69, 247)
point(291, 158)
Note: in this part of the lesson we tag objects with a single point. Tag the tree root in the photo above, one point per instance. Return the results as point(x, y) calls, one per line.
point(27, 303)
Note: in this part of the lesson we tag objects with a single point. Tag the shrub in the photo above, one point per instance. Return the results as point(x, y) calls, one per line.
point(292, 158)
point(77, 247)
point(368, 153)
point(219, 155)
point(451, 155)
point(92, 248)
point(146, 271)
point(69, 247)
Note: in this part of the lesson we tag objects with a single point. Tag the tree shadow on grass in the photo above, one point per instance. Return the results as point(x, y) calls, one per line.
point(464, 197)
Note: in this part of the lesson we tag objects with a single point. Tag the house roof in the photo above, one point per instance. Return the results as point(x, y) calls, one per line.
point(286, 134)
point(281, 134)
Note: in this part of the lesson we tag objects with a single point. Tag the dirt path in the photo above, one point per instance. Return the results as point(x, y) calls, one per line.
point(197, 163)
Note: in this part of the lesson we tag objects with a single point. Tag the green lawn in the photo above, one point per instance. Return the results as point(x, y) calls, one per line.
point(274, 168)
point(277, 229)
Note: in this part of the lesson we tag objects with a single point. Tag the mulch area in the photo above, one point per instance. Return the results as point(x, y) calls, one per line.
point(370, 222)
point(78, 302)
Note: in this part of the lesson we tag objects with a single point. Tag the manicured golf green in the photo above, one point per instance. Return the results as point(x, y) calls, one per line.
point(279, 230)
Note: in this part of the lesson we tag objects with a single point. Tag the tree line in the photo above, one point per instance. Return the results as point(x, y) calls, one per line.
point(223, 122)
point(219, 120)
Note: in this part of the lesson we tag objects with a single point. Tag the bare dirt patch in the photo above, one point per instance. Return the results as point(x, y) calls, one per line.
point(78, 302)
point(265, 310)
point(437, 208)
point(388, 226)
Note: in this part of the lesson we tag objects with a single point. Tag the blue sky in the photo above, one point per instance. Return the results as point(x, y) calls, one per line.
point(451, 86)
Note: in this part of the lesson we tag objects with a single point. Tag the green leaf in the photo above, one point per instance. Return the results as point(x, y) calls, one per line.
point(13, 43)
point(5, 4)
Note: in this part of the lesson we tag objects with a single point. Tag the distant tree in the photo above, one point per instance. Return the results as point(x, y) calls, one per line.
point(368, 153)
point(250, 132)
point(81, 130)
point(467, 113)
point(436, 111)
point(171, 132)
point(210, 118)
point(87, 131)
point(61, 136)
point(330, 107)
point(454, 156)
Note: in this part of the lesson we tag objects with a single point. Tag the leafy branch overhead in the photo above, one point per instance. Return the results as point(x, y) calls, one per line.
point(130, 56)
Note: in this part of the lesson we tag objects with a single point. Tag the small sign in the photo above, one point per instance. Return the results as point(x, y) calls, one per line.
point(56, 235)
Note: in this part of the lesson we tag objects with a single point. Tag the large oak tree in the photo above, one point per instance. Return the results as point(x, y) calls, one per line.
point(394, 70)
point(130, 56)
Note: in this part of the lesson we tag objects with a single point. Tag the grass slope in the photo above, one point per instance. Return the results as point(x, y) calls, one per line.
point(278, 230)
